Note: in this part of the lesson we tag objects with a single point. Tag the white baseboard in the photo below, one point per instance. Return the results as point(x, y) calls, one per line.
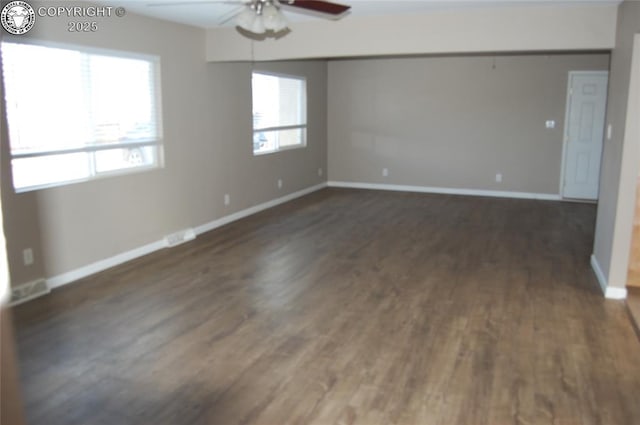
point(98, 266)
point(615, 293)
point(609, 292)
point(256, 209)
point(107, 263)
point(446, 190)
point(28, 291)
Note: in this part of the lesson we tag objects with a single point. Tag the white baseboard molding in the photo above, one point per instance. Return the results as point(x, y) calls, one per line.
point(615, 293)
point(28, 291)
point(446, 190)
point(107, 263)
point(256, 209)
point(609, 292)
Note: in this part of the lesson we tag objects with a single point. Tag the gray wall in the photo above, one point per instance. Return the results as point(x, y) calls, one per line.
point(208, 152)
point(451, 122)
point(611, 258)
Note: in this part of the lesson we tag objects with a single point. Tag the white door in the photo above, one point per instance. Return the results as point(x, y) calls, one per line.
point(584, 132)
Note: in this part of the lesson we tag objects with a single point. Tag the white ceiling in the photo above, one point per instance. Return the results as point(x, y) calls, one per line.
point(216, 13)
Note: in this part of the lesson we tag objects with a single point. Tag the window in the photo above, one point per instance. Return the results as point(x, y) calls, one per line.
point(279, 112)
point(75, 115)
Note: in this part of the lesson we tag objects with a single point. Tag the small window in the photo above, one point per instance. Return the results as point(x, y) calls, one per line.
point(74, 115)
point(279, 113)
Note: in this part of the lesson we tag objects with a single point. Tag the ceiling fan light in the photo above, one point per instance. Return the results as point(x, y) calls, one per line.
point(258, 25)
point(281, 23)
point(270, 11)
point(246, 18)
point(270, 15)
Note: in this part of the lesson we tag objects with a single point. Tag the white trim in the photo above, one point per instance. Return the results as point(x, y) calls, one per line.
point(592, 72)
point(28, 286)
point(609, 292)
point(615, 293)
point(256, 209)
point(447, 190)
point(279, 75)
point(89, 149)
point(98, 266)
point(565, 133)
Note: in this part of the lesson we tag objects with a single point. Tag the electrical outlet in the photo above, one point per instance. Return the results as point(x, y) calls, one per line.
point(385, 172)
point(319, 172)
point(550, 124)
point(27, 256)
point(279, 183)
point(227, 199)
point(498, 178)
point(609, 132)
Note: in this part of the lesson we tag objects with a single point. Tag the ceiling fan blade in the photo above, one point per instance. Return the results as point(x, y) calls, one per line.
point(318, 6)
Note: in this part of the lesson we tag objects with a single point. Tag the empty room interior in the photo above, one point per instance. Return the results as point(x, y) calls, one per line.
point(310, 212)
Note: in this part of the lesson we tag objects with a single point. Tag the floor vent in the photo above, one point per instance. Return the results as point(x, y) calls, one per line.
point(28, 291)
point(179, 237)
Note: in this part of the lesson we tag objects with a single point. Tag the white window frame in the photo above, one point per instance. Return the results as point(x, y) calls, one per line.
point(284, 127)
point(91, 149)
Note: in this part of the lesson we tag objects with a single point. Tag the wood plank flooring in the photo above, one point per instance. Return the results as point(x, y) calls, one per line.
point(344, 307)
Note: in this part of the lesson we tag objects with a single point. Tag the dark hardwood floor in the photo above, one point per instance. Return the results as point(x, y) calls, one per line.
point(344, 307)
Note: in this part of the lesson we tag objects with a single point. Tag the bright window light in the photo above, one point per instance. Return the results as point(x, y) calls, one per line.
point(279, 112)
point(77, 114)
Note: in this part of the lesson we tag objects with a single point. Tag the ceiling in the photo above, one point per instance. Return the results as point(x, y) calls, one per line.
point(217, 13)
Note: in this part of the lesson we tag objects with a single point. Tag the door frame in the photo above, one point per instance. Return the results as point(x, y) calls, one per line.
point(565, 133)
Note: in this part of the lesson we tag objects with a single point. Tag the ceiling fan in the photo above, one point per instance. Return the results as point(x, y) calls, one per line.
point(262, 16)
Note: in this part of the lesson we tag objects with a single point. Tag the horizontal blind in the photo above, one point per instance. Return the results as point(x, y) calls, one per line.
point(61, 100)
point(292, 102)
point(278, 101)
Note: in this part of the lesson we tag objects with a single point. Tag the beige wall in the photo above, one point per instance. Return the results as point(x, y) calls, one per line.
point(208, 152)
point(497, 27)
point(451, 122)
point(614, 223)
point(20, 213)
